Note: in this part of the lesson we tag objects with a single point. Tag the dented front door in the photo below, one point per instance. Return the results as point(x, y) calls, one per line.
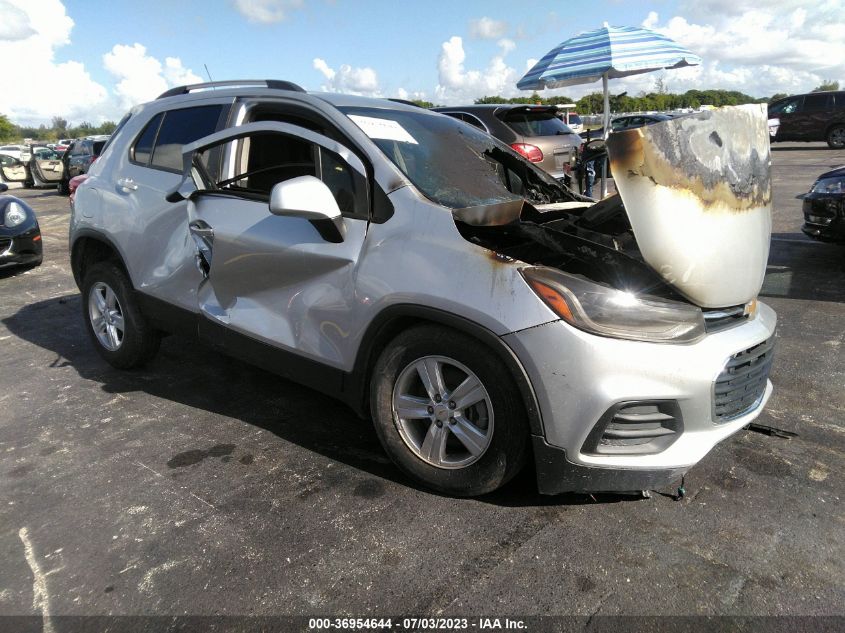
point(273, 278)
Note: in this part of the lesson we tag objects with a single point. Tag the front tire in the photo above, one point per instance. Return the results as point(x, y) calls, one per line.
point(448, 412)
point(836, 137)
point(117, 328)
point(63, 188)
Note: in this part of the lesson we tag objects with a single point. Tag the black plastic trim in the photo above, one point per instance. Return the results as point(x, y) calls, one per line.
point(556, 474)
point(96, 235)
point(311, 373)
point(659, 443)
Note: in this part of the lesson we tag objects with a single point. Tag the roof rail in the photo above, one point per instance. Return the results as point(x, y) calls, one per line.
point(406, 102)
point(276, 84)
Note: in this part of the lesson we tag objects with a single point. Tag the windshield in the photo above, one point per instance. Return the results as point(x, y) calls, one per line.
point(452, 163)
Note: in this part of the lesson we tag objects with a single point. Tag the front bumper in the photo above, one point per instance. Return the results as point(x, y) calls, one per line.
point(21, 249)
point(578, 377)
point(824, 218)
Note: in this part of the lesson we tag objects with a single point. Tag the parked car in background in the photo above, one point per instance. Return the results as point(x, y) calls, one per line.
point(20, 235)
point(63, 144)
point(636, 120)
point(73, 185)
point(572, 120)
point(816, 116)
point(535, 132)
point(15, 151)
point(422, 271)
point(78, 158)
point(824, 208)
point(37, 169)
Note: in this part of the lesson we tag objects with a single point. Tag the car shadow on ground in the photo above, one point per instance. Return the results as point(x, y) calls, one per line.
point(193, 374)
point(14, 271)
point(800, 268)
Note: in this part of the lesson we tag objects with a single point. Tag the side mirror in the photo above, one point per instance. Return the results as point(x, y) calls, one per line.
point(309, 198)
point(3, 187)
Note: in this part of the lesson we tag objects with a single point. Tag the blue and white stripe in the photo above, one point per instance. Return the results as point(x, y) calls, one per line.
point(617, 51)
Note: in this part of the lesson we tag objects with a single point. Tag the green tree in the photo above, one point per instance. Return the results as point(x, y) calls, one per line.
point(60, 126)
point(827, 84)
point(420, 102)
point(7, 128)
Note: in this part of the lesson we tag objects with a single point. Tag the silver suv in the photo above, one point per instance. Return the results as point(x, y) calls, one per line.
point(423, 272)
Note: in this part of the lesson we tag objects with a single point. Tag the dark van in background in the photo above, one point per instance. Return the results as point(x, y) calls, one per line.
point(817, 116)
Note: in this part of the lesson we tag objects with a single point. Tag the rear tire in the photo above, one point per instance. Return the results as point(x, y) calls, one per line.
point(465, 434)
point(114, 322)
point(836, 137)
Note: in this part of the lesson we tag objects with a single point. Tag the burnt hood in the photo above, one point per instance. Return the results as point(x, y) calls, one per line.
point(697, 191)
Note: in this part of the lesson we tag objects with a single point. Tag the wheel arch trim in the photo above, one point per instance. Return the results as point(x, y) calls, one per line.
point(392, 320)
point(76, 252)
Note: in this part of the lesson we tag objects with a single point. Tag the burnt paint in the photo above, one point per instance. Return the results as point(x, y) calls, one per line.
point(731, 172)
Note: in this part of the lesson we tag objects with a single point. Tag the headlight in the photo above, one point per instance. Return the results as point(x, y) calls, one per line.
point(829, 185)
point(609, 312)
point(15, 214)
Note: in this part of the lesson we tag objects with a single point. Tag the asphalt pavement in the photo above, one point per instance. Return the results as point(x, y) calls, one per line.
point(203, 486)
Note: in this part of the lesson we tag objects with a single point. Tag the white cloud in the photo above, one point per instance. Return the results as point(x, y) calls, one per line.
point(755, 49)
point(141, 77)
point(359, 81)
point(15, 24)
point(35, 86)
point(487, 28)
point(266, 11)
point(457, 85)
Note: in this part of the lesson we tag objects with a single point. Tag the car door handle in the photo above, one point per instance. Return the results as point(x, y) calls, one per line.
point(127, 184)
point(203, 231)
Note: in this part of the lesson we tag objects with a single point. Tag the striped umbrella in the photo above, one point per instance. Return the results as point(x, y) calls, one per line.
point(606, 53)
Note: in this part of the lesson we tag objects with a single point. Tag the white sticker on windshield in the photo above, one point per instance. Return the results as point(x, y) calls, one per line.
point(383, 128)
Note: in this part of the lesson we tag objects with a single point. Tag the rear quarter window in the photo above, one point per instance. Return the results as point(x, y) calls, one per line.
point(179, 128)
point(159, 145)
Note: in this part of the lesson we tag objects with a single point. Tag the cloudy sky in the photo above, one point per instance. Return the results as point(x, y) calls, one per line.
point(91, 60)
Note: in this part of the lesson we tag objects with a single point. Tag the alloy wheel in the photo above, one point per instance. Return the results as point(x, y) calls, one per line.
point(106, 316)
point(443, 412)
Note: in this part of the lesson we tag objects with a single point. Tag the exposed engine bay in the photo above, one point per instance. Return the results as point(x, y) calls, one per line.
point(691, 221)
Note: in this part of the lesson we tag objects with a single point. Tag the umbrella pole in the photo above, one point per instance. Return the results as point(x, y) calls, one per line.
point(605, 132)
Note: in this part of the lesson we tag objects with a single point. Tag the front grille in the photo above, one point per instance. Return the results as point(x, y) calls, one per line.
point(635, 428)
point(721, 319)
point(742, 382)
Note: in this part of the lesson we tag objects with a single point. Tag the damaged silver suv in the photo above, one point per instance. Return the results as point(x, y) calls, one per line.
point(481, 313)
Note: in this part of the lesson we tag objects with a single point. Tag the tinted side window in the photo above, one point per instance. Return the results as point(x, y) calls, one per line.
point(816, 102)
point(179, 128)
point(143, 147)
point(787, 106)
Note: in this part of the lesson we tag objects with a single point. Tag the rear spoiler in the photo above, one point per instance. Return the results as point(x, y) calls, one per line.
point(506, 110)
